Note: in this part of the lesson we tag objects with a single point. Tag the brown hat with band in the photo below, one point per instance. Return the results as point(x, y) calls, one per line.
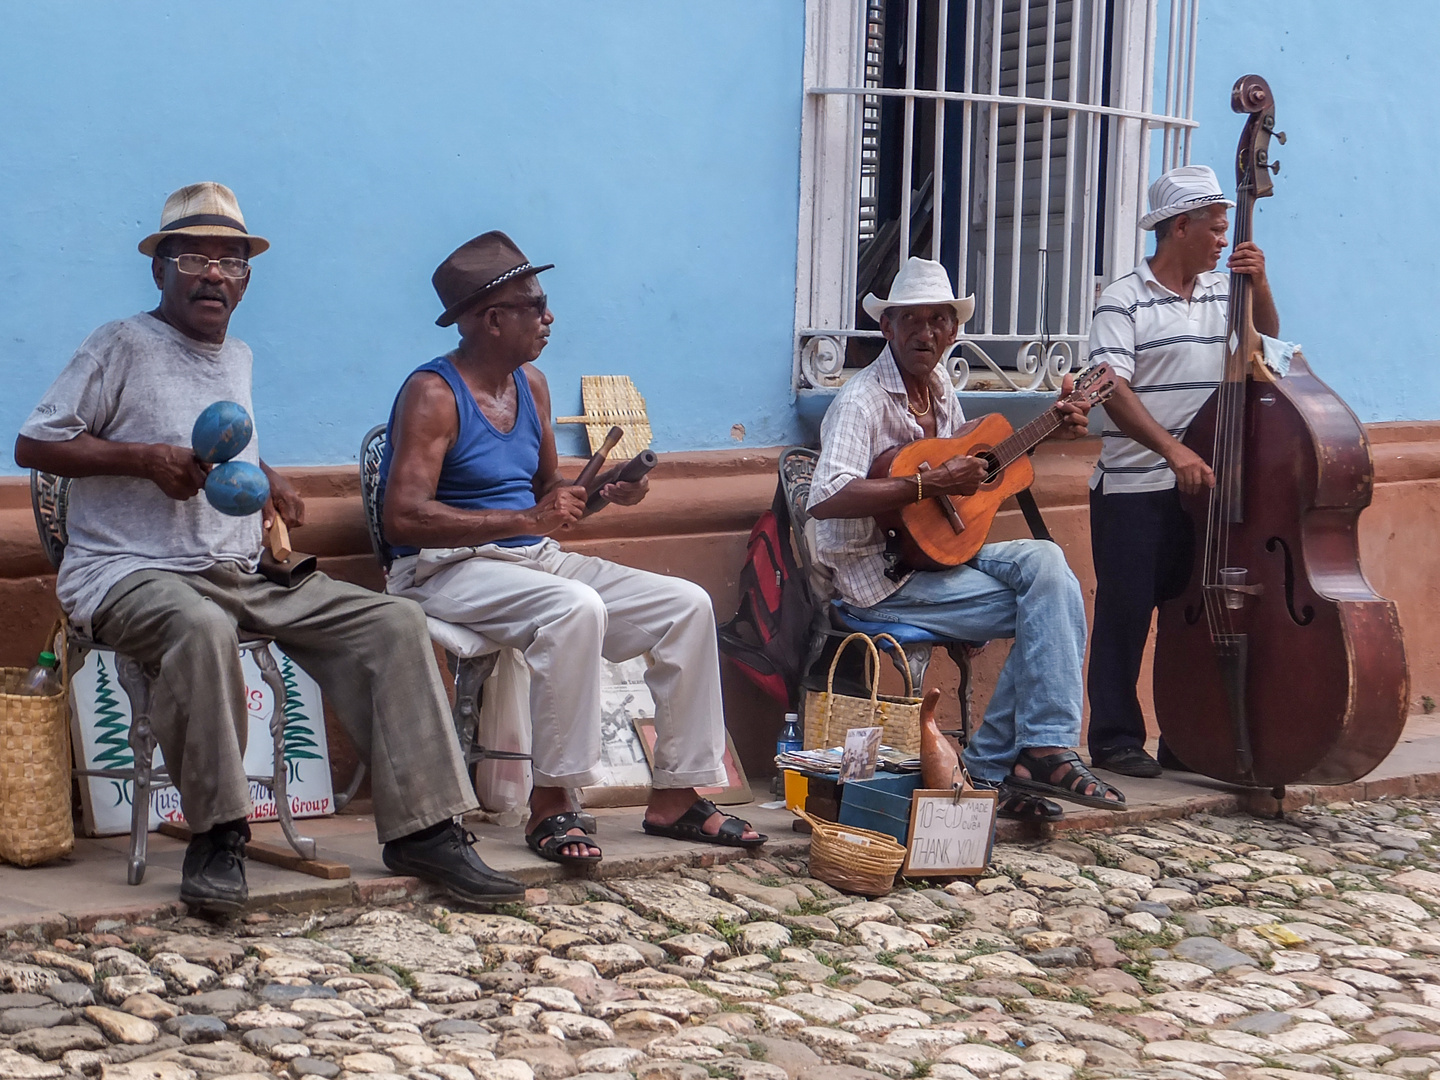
point(206, 209)
point(476, 267)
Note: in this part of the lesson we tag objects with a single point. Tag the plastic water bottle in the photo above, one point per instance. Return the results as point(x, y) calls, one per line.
point(790, 739)
point(42, 680)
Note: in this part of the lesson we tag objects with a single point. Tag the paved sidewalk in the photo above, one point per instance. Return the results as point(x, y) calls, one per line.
point(90, 884)
point(1210, 948)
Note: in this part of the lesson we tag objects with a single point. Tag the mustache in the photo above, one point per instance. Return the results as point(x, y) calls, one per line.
point(208, 292)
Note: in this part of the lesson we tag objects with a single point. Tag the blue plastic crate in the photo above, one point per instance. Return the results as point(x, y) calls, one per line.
point(881, 804)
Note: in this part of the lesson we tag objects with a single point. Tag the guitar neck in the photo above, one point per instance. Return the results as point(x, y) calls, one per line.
point(1031, 434)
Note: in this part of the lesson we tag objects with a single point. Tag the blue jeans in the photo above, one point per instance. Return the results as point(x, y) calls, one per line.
point(1022, 589)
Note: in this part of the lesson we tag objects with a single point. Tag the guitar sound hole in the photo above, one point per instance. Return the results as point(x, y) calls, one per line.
point(993, 469)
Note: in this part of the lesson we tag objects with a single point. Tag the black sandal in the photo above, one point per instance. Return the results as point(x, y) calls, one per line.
point(1020, 806)
point(1071, 786)
point(553, 833)
point(691, 826)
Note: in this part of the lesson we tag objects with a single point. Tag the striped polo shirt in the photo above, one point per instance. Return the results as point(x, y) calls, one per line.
point(1171, 351)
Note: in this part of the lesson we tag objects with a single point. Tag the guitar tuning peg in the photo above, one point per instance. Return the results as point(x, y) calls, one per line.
point(1274, 167)
point(1280, 135)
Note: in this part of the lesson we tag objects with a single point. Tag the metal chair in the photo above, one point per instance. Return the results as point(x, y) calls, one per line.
point(471, 657)
point(833, 622)
point(50, 500)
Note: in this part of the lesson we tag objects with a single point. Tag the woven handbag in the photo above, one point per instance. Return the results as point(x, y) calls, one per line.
point(829, 715)
point(35, 821)
point(853, 860)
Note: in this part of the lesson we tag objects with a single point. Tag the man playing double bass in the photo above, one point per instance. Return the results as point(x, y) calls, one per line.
point(1162, 328)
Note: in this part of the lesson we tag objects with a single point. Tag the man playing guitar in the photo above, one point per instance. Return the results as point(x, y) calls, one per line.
point(1019, 588)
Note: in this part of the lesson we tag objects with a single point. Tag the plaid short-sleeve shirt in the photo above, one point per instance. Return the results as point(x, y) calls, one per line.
point(868, 417)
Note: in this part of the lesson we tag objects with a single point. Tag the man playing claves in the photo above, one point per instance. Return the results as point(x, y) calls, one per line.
point(1019, 588)
point(472, 501)
point(155, 572)
point(1162, 328)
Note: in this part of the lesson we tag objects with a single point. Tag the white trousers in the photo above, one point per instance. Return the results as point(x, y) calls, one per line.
point(565, 611)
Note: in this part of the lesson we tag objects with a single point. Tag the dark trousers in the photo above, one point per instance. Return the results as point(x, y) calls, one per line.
point(1143, 544)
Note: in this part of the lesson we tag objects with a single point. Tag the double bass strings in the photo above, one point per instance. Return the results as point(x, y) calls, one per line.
point(1229, 434)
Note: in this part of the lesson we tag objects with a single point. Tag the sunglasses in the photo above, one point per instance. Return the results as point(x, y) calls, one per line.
point(539, 304)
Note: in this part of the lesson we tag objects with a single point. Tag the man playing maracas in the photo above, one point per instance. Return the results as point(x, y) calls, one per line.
point(168, 579)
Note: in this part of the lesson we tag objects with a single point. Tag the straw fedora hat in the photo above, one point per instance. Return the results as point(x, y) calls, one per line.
point(920, 281)
point(205, 209)
point(476, 267)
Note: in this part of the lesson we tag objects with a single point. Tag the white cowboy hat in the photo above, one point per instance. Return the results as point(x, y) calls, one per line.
point(204, 209)
point(920, 281)
point(1181, 190)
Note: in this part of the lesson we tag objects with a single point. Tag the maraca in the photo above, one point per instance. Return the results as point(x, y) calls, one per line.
point(221, 432)
point(236, 488)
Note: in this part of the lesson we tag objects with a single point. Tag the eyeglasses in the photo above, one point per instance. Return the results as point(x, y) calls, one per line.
point(195, 265)
point(539, 304)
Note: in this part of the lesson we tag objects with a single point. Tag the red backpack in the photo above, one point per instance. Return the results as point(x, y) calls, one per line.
point(768, 638)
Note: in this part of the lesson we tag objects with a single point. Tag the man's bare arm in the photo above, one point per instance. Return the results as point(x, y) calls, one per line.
point(426, 427)
point(173, 469)
point(1247, 258)
point(1130, 416)
point(547, 476)
point(863, 497)
point(284, 500)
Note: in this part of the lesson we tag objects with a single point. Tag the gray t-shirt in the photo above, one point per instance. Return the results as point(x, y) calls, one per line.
point(141, 380)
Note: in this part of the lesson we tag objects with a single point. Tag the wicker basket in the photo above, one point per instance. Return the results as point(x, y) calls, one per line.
point(35, 821)
point(829, 715)
point(853, 860)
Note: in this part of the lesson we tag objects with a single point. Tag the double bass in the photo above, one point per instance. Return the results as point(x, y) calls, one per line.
point(1278, 664)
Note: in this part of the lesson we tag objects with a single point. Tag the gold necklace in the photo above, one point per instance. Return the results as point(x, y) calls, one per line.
point(919, 412)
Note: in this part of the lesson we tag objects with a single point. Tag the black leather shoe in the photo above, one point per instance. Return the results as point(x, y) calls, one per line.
point(213, 877)
point(449, 860)
point(1127, 761)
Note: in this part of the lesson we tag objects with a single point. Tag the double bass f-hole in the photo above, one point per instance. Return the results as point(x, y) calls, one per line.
point(1307, 613)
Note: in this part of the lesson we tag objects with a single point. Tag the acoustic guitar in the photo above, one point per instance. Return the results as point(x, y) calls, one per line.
point(947, 530)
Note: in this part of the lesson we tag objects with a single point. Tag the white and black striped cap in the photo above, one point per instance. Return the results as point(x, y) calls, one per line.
point(1180, 190)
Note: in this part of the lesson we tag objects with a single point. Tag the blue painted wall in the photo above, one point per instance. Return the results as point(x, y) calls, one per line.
point(649, 148)
point(1352, 231)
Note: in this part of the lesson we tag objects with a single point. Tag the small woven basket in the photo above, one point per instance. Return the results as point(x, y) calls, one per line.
point(35, 821)
point(853, 860)
point(829, 715)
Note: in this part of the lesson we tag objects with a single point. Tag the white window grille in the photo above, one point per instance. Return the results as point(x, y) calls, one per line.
point(1021, 133)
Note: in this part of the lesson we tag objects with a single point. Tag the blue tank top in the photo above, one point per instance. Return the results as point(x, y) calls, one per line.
point(486, 469)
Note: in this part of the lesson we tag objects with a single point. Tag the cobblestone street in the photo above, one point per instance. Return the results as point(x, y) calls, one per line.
point(1206, 948)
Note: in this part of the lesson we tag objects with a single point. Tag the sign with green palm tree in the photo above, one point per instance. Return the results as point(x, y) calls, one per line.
point(300, 732)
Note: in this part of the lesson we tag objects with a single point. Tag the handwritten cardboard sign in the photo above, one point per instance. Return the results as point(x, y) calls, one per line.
point(950, 836)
